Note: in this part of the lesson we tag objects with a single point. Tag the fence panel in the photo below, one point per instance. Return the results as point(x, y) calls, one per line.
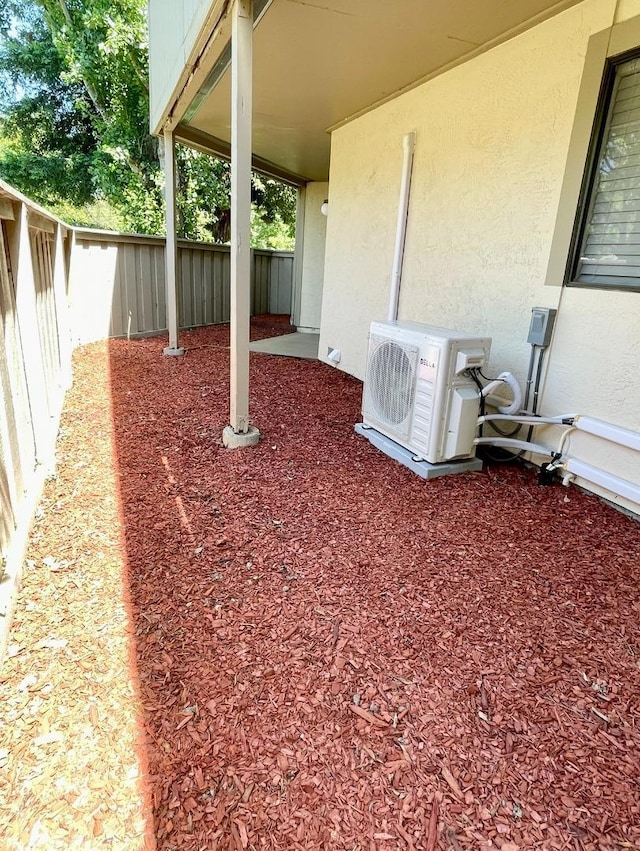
point(261, 282)
point(35, 359)
point(41, 242)
point(204, 273)
point(125, 275)
point(281, 288)
point(116, 286)
point(59, 284)
point(17, 448)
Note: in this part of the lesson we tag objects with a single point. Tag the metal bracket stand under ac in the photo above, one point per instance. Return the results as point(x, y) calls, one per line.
point(421, 468)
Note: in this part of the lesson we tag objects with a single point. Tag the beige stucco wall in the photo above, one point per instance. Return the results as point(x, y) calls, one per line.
point(313, 250)
point(492, 143)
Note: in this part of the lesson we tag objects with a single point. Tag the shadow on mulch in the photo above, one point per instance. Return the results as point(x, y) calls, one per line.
point(327, 645)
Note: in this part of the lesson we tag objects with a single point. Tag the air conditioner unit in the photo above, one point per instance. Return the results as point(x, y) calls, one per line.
point(417, 392)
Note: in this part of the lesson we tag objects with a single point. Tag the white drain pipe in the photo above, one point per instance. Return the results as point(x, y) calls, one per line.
point(409, 146)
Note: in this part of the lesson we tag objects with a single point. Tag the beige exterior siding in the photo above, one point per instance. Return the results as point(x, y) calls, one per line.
point(493, 139)
point(313, 249)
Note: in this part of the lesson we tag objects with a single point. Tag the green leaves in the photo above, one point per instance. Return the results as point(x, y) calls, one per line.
point(74, 125)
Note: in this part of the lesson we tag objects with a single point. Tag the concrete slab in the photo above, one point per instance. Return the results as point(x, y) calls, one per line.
point(297, 345)
point(405, 457)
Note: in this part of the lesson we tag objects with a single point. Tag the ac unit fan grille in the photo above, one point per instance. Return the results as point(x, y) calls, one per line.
point(390, 385)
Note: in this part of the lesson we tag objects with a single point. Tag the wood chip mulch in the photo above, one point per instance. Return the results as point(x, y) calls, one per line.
point(302, 645)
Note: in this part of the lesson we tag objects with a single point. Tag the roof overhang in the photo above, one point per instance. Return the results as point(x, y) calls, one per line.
point(321, 63)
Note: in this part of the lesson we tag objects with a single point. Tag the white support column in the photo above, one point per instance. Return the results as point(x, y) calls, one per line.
point(239, 432)
point(171, 249)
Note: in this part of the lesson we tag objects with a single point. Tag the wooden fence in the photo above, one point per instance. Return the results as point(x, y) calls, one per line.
point(61, 286)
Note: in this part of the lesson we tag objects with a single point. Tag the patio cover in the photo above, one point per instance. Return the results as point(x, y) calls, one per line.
point(320, 63)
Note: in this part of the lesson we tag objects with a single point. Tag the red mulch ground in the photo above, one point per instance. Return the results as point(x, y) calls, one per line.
point(328, 651)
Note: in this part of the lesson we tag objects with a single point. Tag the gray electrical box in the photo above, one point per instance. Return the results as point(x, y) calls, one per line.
point(541, 328)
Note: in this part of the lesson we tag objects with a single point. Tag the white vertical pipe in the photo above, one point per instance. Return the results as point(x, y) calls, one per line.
point(241, 106)
point(409, 146)
point(171, 249)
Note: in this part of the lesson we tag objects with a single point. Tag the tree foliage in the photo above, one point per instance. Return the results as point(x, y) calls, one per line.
point(74, 124)
point(49, 138)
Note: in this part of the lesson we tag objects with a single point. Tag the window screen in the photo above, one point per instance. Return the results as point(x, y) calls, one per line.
point(609, 240)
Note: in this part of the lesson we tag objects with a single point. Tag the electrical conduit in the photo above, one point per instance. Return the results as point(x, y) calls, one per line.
point(618, 486)
point(409, 145)
point(613, 433)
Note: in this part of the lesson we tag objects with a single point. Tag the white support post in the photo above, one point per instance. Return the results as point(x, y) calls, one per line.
point(239, 432)
point(171, 249)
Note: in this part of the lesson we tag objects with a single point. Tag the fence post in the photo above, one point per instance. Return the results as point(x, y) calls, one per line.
point(62, 308)
point(27, 313)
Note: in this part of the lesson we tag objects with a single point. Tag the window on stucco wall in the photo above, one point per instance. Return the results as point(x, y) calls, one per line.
point(606, 240)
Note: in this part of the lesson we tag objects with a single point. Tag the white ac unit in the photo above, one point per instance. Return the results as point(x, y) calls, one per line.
point(417, 390)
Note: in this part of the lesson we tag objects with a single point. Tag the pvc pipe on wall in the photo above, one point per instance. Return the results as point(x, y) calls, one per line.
point(613, 433)
point(409, 145)
point(171, 250)
point(618, 486)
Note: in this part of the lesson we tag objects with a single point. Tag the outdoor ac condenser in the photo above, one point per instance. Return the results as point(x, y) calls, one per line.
point(417, 391)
